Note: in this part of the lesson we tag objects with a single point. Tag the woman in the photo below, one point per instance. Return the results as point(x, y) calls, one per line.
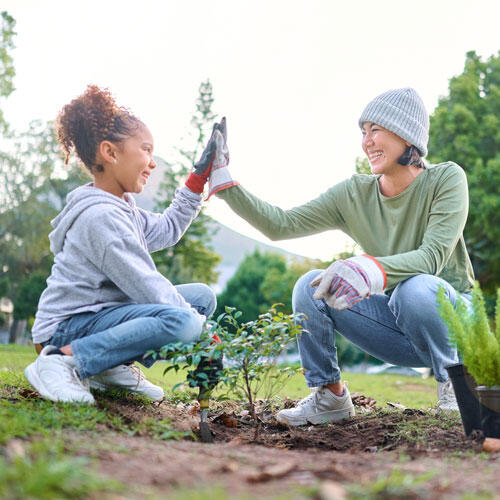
point(408, 217)
point(105, 304)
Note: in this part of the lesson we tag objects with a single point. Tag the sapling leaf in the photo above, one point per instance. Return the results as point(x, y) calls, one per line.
point(168, 368)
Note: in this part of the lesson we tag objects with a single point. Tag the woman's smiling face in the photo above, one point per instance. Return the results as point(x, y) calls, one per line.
point(382, 148)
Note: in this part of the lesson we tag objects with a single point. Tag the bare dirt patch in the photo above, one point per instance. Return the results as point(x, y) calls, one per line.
point(353, 453)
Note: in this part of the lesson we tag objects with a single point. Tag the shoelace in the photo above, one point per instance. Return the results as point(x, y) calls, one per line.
point(137, 370)
point(313, 395)
point(75, 377)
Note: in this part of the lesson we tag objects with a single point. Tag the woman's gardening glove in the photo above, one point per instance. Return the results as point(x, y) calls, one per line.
point(211, 156)
point(346, 282)
point(220, 178)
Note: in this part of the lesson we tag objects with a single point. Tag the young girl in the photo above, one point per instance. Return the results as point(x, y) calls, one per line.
point(105, 304)
point(409, 218)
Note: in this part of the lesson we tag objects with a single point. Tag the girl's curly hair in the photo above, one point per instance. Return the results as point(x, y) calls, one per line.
point(90, 119)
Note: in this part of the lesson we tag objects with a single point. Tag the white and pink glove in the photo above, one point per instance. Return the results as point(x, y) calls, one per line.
point(346, 282)
point(220, 177)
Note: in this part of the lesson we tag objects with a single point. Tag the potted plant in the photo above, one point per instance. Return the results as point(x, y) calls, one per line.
point(478, 345)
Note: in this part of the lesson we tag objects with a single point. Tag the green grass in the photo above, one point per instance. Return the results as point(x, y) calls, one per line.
point(394, 485)
point(412, 392)
point(24, 416)
point(43, 470)
point(422, 430)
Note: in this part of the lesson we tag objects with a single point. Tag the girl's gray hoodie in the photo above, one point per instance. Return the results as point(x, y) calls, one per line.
point(102, 247)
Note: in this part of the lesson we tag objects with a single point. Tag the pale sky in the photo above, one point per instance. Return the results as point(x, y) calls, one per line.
point(291, 76)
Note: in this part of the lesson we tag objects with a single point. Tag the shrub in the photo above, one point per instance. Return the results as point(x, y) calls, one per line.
point(251, 351)
point(477, 343)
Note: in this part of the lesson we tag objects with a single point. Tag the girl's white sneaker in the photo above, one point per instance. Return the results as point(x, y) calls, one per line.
point(129, 378)
point(56, 377)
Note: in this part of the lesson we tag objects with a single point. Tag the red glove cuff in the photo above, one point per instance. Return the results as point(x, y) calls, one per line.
point(379, 265)
point(196, 182)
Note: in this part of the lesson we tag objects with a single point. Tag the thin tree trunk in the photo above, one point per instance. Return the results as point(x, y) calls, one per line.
point(16, 330)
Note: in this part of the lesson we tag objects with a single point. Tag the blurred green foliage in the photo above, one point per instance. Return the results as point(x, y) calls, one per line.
point(7, 69)
point(465, 128)
point(261, 280)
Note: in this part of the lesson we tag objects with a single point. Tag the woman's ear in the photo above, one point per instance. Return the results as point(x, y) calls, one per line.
point(107, 152)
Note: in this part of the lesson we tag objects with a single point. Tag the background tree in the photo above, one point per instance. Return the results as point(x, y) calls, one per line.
point(245, 291)
point(191, 259)
point(465, 128)
point(7, 70)
point(261, 280)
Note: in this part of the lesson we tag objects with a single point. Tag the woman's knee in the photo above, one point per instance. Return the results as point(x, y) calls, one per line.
point(419, 293)
point(303, 292)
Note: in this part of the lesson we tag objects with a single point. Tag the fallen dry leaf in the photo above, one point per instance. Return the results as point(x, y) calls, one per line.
point(227, 420)
point(396, 405)
point(491, 445)
point(272, 472)
point(194, 409)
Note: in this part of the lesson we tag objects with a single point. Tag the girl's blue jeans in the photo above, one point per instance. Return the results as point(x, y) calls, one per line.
point(403, 329)
point(124, 333)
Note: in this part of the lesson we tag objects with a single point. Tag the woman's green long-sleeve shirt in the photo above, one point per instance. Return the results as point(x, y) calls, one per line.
point(419, 231)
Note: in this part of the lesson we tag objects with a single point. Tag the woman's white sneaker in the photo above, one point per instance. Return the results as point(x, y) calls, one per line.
point(129, 378)
point(56, 378)
point(320, 407)
point(446, 396)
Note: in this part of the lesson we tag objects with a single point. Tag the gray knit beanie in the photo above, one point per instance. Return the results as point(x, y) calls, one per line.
point(401, 111)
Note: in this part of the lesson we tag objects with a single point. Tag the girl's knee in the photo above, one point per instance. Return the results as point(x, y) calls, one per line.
point(191, 327)
point(210, 299)
point(182, 326)
point(200, 296)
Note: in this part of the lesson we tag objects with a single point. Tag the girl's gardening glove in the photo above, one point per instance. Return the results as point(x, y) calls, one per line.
point(346, 282)
point(220, 178)
point(198, 178)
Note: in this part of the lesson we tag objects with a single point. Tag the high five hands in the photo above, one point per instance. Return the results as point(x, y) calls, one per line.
point(220, 177)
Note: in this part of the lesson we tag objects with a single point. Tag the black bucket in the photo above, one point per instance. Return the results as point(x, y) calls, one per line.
point(490, 410)
point(464, 386)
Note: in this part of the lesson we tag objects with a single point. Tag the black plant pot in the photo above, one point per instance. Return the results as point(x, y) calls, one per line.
point(490, 410)
point(464, 386)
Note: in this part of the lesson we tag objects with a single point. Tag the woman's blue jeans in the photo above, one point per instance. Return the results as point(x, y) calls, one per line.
point(404, 329)
point(124, 333)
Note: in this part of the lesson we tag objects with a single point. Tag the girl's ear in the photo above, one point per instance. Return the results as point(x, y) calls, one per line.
point(108, 152)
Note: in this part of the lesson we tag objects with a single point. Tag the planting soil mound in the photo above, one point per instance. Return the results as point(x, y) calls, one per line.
point(372, 429)
point(414, 431)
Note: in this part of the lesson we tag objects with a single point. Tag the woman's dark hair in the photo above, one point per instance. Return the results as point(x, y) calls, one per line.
point(90, 119)
point(411, 156)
